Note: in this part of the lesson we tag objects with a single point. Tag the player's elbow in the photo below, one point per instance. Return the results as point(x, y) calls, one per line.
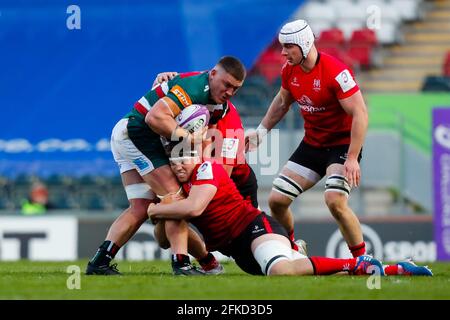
point(152, 119)
point(363, 116)
point(196, 209)
point(193, 213)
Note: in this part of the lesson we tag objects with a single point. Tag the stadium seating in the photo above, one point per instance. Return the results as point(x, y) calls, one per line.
point(364, 37)
point(384, 16)
point(269, 62)
point(82, 193)
point(331, 38)
point(363, 47)
point(409, 10)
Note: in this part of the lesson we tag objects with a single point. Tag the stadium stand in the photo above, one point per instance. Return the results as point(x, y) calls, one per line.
point(426, 39)
point(409, 52)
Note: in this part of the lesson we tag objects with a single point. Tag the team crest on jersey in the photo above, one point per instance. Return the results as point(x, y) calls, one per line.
point(316, 85)
point(182, 96)
point(204, 172)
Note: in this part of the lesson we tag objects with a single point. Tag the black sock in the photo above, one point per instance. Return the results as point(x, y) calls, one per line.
point(105, 253)
point(207, 259)
point(179, 260)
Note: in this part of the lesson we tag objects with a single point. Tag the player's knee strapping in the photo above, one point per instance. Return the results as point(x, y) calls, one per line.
point(268, 253)
point(287, 186)
point(138, 191)
point(337, 183)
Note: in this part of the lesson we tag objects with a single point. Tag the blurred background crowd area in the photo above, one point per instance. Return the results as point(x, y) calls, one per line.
point(63, 89)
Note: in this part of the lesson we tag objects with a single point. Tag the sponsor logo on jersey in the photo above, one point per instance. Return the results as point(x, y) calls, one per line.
point(345, 80)
point(311, 109)
point(307, 105)
point(182, 96)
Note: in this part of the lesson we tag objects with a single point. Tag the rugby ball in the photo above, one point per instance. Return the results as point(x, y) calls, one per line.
point(193, 118)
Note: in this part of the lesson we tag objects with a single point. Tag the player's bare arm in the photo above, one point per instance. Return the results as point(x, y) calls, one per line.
point(160, 119)
point(278, 108)
point(356, 107)
point(191, 207)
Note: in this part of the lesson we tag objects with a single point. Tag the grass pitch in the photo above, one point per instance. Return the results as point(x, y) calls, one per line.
point(154, 281)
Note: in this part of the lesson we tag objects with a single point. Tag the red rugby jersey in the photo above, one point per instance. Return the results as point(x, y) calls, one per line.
point(227, 215)
point(318, 93)
point(231, 150)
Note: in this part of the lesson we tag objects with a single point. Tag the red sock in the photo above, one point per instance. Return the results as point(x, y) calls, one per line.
point(391, 270)
point(358, 250)
point(324, 266)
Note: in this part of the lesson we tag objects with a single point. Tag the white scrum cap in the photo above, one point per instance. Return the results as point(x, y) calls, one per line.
point(297, 32)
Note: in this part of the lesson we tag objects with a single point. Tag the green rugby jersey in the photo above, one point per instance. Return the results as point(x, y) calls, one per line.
point(185, 89)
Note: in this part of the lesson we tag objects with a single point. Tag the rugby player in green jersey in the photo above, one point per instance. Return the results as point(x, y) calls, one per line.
point(144, 165)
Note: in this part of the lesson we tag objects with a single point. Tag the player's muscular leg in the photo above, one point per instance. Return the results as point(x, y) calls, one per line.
point(279, 203)
point(196, 246)
point(337, 202)
point(160, 235)
point(163, 182)
point(126, 225)
point(174, 231)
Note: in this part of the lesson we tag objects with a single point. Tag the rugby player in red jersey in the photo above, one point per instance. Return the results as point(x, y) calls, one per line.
point(257, 242)
point(335, 122)
point(229, 150)
point(229, 147)
point(144, 165)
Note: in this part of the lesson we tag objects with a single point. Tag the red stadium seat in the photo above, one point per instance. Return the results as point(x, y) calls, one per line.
point(366, 37)
point(270, 62)
point(331, 37)
point(362, 46)
point(361, 54)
